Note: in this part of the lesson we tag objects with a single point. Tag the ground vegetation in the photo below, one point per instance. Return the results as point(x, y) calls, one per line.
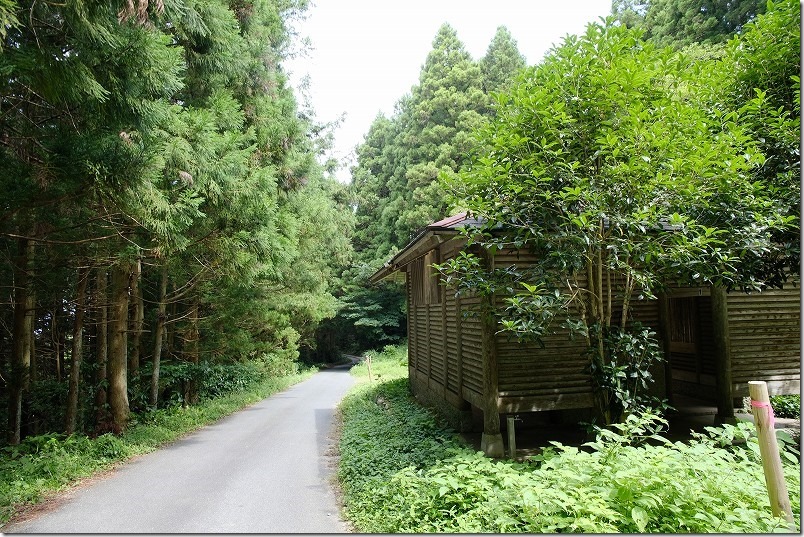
point(403, 471)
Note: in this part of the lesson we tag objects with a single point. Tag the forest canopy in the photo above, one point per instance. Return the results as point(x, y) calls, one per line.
point(627, 167)
point(168, 228)
point(165, 222)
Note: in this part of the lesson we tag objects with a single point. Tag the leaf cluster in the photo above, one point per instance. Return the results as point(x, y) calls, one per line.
point(629, 480)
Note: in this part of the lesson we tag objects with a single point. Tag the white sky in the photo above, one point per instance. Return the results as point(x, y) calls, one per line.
point(367, 54)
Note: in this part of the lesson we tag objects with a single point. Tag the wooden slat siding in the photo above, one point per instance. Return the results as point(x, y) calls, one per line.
point(646, 312)
point(685, 362)
point(542, 374)
point(413, 346)
point(558, 401)
point(765, 330)
point(436, 344)
point(428, 347)
point(459, 344)
point(534, 378)
point(444, 338)
point(451, 339)
point(470, 349)
point(449, 320)
point(420, 329)
point(472, 370)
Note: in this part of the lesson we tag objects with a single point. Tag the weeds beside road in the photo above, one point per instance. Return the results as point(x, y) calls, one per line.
point(42, 465)
point(402, 472)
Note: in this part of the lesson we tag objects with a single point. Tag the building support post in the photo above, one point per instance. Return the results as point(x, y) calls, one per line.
point(664, 335)
point(720, 331)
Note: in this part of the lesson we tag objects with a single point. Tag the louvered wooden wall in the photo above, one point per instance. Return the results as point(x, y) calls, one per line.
point(536, 378)
point(444, 339)
point(765, 335)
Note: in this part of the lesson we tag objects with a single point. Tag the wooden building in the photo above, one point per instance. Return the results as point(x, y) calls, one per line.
point(716, 343)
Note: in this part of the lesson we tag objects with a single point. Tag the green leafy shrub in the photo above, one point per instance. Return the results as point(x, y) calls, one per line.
point(402, 472)
point(622, 375)
point(47, 462)
point(786, 406)
point(45, 403)
point(213, 379)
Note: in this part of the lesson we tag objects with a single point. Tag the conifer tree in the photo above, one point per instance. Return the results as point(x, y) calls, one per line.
point(501, 62)
point(684, 22)
point(396, 183)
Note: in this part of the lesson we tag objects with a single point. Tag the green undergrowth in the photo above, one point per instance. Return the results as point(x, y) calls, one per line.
point(388, 364)
point(48, 463)
point(403, 472)
point(784, 406)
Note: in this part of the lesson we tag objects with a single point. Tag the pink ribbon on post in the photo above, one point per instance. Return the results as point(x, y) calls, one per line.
point(763, 404)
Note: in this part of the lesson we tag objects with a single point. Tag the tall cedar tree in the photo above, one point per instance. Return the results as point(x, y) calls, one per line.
point(683, 22)
point(395, 183)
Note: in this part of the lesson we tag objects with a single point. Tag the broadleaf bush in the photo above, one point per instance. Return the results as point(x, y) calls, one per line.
point(402, 472)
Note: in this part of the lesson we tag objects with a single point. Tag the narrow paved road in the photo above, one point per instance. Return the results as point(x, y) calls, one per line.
point(262, 470)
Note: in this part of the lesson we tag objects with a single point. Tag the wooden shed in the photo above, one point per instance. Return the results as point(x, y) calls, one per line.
point(716, 342)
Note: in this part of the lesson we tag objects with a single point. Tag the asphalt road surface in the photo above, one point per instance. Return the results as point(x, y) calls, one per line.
point(265, 469)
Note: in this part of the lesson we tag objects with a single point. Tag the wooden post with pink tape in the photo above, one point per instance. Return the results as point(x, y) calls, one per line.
point(769, 450)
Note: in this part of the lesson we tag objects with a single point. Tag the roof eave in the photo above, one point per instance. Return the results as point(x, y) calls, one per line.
point(416, 248)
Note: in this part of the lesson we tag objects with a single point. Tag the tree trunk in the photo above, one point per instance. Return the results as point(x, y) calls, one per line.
point(22, 331)
point(55, 340)
point(137, 321)
point(118, 347)
point(193, 354)
point(170, 329)
point(491, 441)
point(101, 350)
point(158, 337)
point(629, 290)
point(32, 344)
point(33, 421)
point(76, 354)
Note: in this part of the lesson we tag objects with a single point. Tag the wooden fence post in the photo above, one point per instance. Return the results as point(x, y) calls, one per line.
point(368, 365)
point(769, 450)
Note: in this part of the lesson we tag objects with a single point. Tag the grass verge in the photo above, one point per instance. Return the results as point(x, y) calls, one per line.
point(400, 472)
point(42, 465)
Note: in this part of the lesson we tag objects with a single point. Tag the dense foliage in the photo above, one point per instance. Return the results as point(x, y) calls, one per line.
point(786, 406)
point(684, 22)
point(162, 207)
point(395, 184)
point(403, 472)
point(615, 162)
